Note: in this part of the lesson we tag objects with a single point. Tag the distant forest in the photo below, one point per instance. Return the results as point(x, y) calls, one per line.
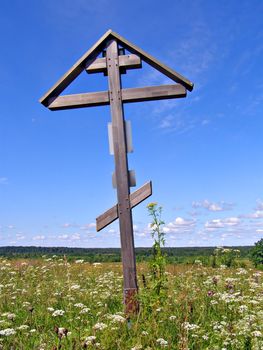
point(174, 255)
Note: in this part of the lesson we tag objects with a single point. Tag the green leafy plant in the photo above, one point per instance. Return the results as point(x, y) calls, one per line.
point(225, 256)
point(158, 261)
point(257, 253)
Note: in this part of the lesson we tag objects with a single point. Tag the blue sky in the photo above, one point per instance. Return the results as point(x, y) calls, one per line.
point(202, 153)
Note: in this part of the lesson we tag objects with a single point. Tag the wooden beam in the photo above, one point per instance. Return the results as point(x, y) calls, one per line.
point(151, 93)
point(90, 99)
point(107, 218)
point(121, 170)
point(141, 194)
point(135, 198)
point(125, 61)
point(101, 98)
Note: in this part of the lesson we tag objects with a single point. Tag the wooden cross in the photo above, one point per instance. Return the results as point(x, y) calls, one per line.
point(113, 64)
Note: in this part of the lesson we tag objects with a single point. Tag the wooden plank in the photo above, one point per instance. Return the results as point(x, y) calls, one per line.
point(90, 99)
point(107, 218)
point(101, 98)
point(121, 168)
point(141, 194)
point(136, 198)
point(126, 61)
point(151, 93)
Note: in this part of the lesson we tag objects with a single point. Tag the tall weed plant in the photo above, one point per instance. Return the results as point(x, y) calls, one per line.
point(158, 261)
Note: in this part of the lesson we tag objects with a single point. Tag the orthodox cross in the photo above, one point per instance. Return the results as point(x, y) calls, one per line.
point(113, 63)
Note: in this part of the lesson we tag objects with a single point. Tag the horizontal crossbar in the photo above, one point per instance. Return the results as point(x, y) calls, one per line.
point(101, 98)
point(135, 198)
point(125, 61)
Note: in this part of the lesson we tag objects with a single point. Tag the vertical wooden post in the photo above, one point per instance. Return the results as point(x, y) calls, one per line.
point(122, 179)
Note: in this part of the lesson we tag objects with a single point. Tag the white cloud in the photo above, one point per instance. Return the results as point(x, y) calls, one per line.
point(20, 236)
point(232, 221)
point(112, 231)
point(63, 237)
point(179, 225)
point(212, 206)
point(213, 224)
point(258, 214)
point(259, 205)
point(69, 225)
point(3, 180)
point(222, 223)
point(39, 238)
point(75, 237)
point(88, 226)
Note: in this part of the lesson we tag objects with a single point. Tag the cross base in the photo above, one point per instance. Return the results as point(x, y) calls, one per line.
point(130, 301)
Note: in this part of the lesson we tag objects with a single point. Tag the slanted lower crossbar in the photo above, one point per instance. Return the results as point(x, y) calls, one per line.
point(112, 214)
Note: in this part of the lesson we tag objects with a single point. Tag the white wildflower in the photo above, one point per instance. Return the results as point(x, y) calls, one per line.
point(58, 313)
point(7, 332)
point(80, 261)
point(85, 310)
point(117, 318)
point(99, 326)
point(163, 343)
point(190, 326)
point(137, 347)
point(80, 305)
point(11, 316)
point(75, 287)
point(23, 327)
point(90, 338)
point(256, 334)
point(243, 308)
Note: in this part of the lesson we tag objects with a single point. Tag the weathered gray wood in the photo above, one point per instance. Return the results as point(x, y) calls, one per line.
point(121, 170)
point(79, 100)
point(126, 61)
point(107, 218)
point(141, 194)
point(92, 54)
point(136, 198)
point(148, 93)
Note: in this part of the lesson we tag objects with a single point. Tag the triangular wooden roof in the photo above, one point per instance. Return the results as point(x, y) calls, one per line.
point(92, 54)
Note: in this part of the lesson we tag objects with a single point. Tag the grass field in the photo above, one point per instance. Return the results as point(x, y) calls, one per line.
point(49, 303)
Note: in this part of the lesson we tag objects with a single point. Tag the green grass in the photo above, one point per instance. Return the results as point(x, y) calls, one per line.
point(201, 307)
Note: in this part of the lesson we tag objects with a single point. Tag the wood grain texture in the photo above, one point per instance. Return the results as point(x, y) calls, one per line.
point(121, 168)
point(127, 61)
point(107, 218)
point(91, 99)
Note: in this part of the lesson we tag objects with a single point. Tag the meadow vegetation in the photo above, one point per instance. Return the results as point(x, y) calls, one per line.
point(51, 303)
